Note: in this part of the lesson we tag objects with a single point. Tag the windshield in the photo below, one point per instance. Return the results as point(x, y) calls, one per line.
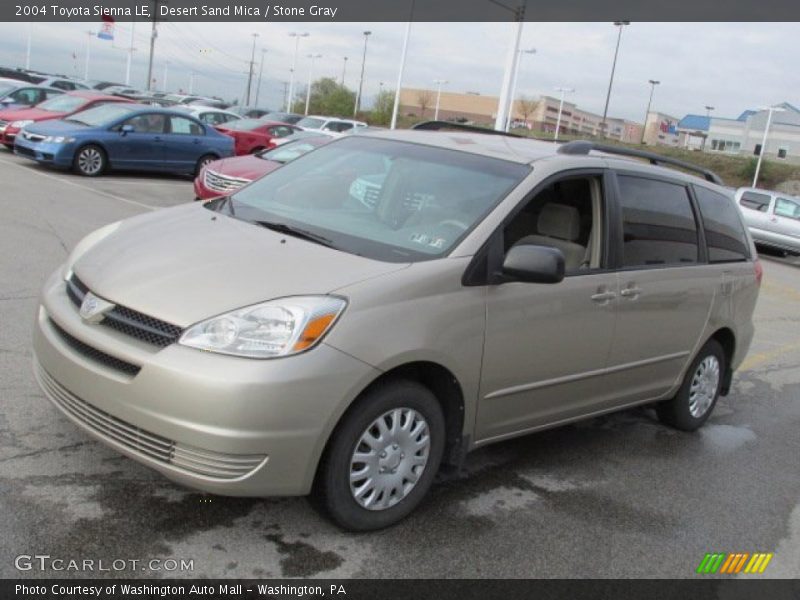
point(100, 115)
point(387, 200)
point(290, 151)
point(243, 124)
point(62, 103)
point(311, 123)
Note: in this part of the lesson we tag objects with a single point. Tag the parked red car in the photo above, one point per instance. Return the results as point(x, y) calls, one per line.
point(254, 135)
point(223, 177)
point(59, 107)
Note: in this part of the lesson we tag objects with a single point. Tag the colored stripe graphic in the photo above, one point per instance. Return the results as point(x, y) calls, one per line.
point(734, 562)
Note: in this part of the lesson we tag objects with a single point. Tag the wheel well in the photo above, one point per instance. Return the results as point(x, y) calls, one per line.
point(727, 340)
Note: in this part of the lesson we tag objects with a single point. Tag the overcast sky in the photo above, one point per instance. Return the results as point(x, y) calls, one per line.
point(731, 66)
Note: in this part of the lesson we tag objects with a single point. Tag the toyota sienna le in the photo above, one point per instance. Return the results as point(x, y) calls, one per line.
point(293, 339)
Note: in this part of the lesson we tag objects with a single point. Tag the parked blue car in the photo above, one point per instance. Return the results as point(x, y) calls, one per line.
point(125, 137)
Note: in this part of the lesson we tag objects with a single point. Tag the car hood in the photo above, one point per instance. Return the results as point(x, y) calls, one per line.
point(188, 263)
point(245, 167)
point(56, 127)
point(29, 114)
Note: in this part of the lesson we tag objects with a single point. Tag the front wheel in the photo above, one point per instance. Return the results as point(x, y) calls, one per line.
point(383, 457)
point(202, 162)
point(90, 161)
point(698, 394)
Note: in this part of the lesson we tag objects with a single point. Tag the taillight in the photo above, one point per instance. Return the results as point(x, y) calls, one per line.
point(759, 270)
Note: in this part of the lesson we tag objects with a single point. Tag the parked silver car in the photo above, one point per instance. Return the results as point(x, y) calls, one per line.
point(293, 339)
point(772, 218)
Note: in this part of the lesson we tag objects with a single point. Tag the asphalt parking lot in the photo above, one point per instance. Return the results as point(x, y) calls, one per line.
point(618, 496)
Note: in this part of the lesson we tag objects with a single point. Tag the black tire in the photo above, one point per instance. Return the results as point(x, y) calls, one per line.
point(9, 147)
point(203, 161)
point(681, 412)
point(257, 150)
point(332, 493)
point(90, 161)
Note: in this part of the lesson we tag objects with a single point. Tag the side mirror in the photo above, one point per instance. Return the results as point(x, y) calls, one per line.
point(533, 264)
point(7, 101)
point(126, 129)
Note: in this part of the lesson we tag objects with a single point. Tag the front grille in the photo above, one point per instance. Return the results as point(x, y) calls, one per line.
point(94, 354)
point(223, 183)
point(34, 137)
point(23, 151)
point(128, 321)
point(188, 459)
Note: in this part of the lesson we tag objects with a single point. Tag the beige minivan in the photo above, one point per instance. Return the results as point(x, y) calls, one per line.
point(311, 334)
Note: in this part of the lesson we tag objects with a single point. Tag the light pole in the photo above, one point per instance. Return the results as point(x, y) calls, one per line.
point(191, 83)
point(708, 110)
point(344, 70)
point(166, 66)
point(514, 86)
point(250, 70)
point(705, 137)
point(28, 50)
point(296, 37)
point(563, 91)
point(153, 36)
point(620, 24)
point(771, 110)
point(310, 69)
point(260, 73)
point(653, 84)
point(511, 66)
point(403, 52)
point(89, 36)
point(361, 79)
point(130, 55)
point(439, 83)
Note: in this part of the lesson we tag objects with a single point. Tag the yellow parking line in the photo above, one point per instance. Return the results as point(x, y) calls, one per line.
point(780, 290)
point(760, 358)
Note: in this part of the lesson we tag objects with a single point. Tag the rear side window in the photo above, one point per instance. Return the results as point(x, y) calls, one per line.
point(658, 223)
point(787, 208)
point(759, 202)
point(725, 234)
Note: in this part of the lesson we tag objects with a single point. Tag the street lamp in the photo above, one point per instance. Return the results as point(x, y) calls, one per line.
point(250, 70)
point(563, 91)
point(439, 83)
point(619, 24)
point(653, 84)
point(260, 73)
point(296, 37)
point(166, 68)
point(361, 81)
point(310, 69)
point(403, 54)
point(514, 86)
point(344, 70)
point(89, 36)
point(708, 110)
point(771, 110)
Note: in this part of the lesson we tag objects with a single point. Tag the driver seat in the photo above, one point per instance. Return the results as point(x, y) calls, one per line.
point(559, 226)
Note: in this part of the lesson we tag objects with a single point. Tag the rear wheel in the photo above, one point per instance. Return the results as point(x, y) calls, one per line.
point(202, 162)
point(383, 457)
point(90, 161)
point(698, 394)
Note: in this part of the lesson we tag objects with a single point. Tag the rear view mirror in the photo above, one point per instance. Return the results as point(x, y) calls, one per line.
point(126, 129)
point(533, 264)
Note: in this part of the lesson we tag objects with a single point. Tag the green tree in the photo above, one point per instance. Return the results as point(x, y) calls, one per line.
point(328, 98)
point(382, 108)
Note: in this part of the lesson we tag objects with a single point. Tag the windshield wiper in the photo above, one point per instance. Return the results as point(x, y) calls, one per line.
point(297, 232)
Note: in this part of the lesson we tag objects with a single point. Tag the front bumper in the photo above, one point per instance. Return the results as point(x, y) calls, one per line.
point(8, 134)
point(221, 424)
point(59, 155)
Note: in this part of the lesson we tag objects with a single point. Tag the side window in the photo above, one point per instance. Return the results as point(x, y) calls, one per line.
point(565, 215)
point(658, 224)
point(25, 96)
point(280, 131)
point(725, 234)
point(63, 85)
point(147, 123)
point(759, 202)
point(183, 126)
point(787, 208)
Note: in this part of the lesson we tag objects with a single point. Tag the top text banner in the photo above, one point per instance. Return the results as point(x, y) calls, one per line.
point(400, 10)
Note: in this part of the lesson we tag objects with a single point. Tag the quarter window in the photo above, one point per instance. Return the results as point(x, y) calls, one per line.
point(724, 231)
point(752, 200)
point(659, 227)
point(182, 126)
point(787, 208)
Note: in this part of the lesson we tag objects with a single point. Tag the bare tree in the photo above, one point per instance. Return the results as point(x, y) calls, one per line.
point(425, 99)
point(526, 107)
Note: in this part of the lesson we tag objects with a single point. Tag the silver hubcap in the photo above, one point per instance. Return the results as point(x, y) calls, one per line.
point(704, 386)
point(389, 458)
point(90, 161)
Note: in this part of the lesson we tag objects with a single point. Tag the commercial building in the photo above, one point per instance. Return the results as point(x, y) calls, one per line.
point(744, 134)
point(661, 129)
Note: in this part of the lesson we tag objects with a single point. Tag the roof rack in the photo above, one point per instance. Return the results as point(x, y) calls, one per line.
point(584, 147)
point(439, 125)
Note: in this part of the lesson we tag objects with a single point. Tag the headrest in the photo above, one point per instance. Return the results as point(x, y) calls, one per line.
point(559, 221)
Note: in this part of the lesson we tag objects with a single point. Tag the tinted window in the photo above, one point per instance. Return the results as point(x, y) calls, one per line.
point(787, 208)
point(27, 96)
point(183, 126)
point(759, 202)
point(724, 231)
point(147, 123)
point(658, 223)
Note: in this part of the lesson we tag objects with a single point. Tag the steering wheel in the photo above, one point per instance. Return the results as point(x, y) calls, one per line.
point(454, 223)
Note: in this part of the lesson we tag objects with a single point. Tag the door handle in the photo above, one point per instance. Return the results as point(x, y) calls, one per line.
point(603, 297)
point(631, 292)
point(157, 138)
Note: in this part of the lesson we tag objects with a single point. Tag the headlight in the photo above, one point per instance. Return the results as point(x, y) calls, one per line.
point(276, 328)
point(58, 139)
point(20, 124)
point(86, 243)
